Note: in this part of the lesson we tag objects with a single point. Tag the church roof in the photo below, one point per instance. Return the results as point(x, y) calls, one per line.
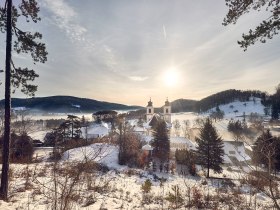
point(154, 121)
point(167, 103)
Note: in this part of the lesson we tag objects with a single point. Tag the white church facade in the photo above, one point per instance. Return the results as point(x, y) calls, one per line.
point(152, 117)
point(165, 115)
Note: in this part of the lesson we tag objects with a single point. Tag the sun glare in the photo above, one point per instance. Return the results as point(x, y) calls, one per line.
point(171, 77)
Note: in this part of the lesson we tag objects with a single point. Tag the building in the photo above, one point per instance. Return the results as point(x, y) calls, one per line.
point(152, 118)
point(235, 153)
point(165, 115)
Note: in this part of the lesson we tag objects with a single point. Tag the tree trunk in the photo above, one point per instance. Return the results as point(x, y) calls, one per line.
point(7, 129)
point(208, 159)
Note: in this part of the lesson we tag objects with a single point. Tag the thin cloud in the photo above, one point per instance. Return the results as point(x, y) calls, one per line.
point(164, 31)
point(65, 17)
point(138, 78)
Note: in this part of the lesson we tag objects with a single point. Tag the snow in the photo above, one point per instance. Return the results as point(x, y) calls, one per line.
point(76, 105)
point(101, 153)
point(250, 107)
point(20, 108)
point(181, 142)
point(147, 147)
point(236, 150)
point(39, 135)
point(96, 130)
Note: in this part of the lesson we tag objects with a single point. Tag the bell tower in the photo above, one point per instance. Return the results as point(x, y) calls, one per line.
point(150, 111)
point(167, 111)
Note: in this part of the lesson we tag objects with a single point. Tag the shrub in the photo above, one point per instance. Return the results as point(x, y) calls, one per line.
point(175, 197)
point(146, 186)
point(23, 148)
point(197, 200)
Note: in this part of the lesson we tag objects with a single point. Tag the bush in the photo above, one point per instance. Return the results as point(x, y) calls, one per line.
point(21, 147)
point(146, 186)
point(175, 197)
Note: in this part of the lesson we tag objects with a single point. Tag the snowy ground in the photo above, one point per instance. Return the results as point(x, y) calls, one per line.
point(119, 188)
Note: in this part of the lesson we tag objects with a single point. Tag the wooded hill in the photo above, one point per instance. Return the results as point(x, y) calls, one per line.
point(217, 99)
point(75, 104)
point(228, 96)
point(66, 104)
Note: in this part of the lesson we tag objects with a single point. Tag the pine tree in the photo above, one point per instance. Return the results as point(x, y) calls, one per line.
point(25, 42)
point(210, 148)
point(266, 30)
point(175, 197)
point(161, 141)
point(264, 145)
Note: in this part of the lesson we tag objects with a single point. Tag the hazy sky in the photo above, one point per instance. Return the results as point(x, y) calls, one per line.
point(123, 50)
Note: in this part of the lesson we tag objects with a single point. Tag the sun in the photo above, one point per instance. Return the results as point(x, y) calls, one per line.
point(171, 77)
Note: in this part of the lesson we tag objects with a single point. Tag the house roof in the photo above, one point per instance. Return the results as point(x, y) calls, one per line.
point(181, 140)
point(147, 147)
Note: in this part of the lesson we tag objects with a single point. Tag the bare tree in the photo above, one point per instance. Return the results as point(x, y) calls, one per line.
point(186, 129)
point(176, 125)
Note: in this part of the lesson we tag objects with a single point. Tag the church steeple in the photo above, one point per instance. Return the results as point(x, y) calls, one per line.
point(150, 103)
point(167, 103)
point(167, 111)
point(150, 110)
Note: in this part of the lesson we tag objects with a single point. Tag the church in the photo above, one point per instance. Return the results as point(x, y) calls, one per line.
point(152, 118)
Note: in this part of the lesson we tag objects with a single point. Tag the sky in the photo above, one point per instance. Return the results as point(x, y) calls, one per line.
point(126, 51)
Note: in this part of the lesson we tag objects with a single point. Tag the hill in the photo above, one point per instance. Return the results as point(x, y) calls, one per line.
point(183, 105)
point(217, 99)
point(226, 97)
point(66, 104)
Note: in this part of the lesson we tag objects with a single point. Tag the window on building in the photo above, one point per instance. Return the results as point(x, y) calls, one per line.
point(150, 111)
point(166, 110)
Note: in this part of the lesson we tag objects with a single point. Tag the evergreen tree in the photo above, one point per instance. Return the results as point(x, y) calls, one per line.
point(161, 141)
point(267, 144)
point(266, 30)
point(275, 109)
point(210, 148)
point(25, 42)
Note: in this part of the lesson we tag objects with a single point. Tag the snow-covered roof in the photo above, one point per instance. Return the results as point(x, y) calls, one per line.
point(146, 138)
point(97, 129)
point(39, 135)
point(156, 117)
point(234, 149)
point(181, 140)
point(138, 129)
point(147, 147)
point(102, 153)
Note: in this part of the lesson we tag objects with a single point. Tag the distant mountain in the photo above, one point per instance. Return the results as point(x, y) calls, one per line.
point(67, 104)
point(183, 105)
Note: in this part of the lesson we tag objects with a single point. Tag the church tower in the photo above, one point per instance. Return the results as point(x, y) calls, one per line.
point(167, 111)
point(150, 111)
